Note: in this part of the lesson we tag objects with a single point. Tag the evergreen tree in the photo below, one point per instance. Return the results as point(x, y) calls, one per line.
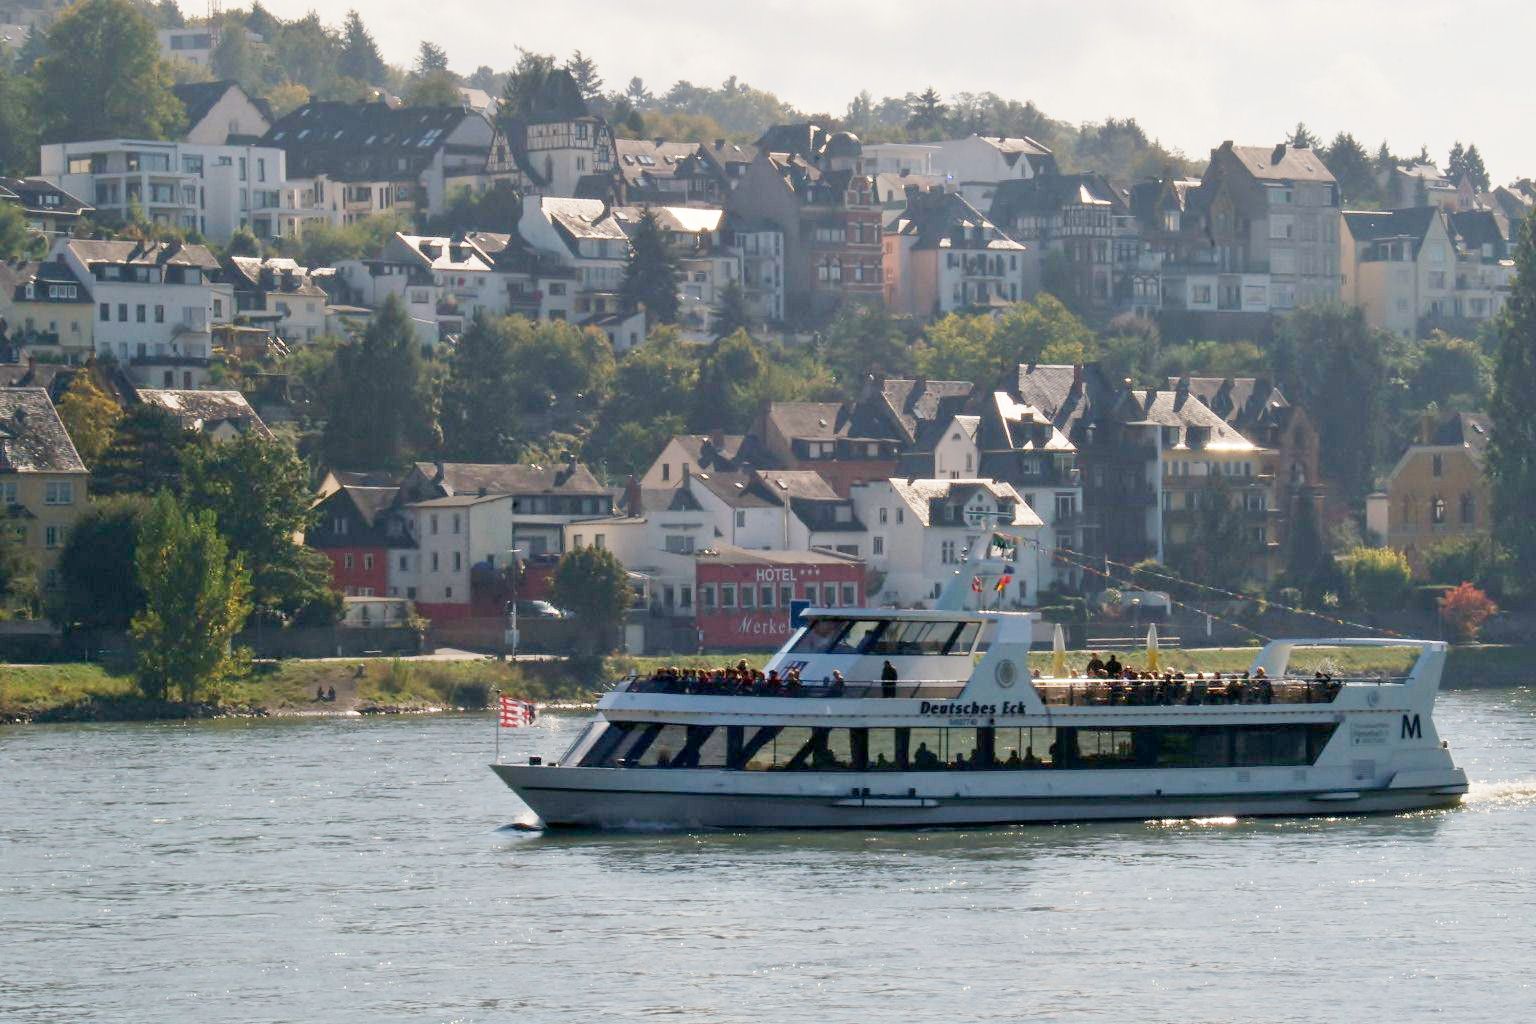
point(262, 22)
point(650, 276)
point(525, 83)
point(638, 94)
point(479, 421)
point(430, 58)
point(1303, 137)
point(583, 71)
point(101, 77)
point(379, 405)
point(927, 113)
point(258, 491)
point(731, 314)
point(145, 454)
point(196, 598)
point(359, 57)
point(1512, 446)
point(1476, 171)
point(732, 375)
point(18, 126)
point(1351, 166)
point(1456, 163)
point(235, 59)
point(89, 415)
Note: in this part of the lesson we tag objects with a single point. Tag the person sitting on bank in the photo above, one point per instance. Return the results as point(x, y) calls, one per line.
point(1095, 667)
point(330, 694)
point(888, 679)
point(320, 693)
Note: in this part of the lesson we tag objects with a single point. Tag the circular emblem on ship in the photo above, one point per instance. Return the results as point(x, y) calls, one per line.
point(1006, 673)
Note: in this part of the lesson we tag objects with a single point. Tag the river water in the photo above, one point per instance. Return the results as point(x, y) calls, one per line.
point(359, 871)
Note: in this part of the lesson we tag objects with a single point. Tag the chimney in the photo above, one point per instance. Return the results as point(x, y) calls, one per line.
point(717, 439)
point(633, 497)
point(438, 471)
point(1077, 378)
point(658, 140)
point(1427, 426)
point(1278, 154)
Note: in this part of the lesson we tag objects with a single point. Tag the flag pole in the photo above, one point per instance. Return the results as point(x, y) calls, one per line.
point(496, 722)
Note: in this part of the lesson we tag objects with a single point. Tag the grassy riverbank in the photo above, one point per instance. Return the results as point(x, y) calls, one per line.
point(75, 692)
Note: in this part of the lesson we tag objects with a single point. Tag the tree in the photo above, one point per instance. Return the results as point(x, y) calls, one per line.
point(234, 57)
point(650, 276)
point(1303, 137)
point(1476, 171)
point(1335, 366)
point(1451, 373)
point(927, 109)
point(1511, 462)
point(18, 575)
point(1465, 608)
point(638, 94)
point(433, 89)
point(196, 598)
point(90, 416)
point(1379, 578)
point(1456, 163)
point(243, 243)
point(261, 21)
point(1475, 558)
point(145, 455)
point(479, 423)
point(525, 83)
point(1218, 550)
point(730, 389)
point(431, 58)
point(583, 71)
point(592, 584)
point(101, 77)
point(1351, 166)
point(18, 125)
point(381, 409)
point(307, 52)
point(286, 97)
point(731, 313)
point(97, 568)
point(864, 340)
point(359, 57)
point(17, 240)
point(258, 491)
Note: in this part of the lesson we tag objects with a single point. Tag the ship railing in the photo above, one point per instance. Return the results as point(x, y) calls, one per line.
point(1196, 693)
point(924, 689)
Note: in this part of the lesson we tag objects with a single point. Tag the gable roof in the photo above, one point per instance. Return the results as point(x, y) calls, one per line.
point(640, 159)
point(204, 410)
point(916, 404)
point(804, 484)
point(1048, 194)
point(201, 97)
point(33, 194)
point(826, 421)
point(944, 220)
point(735, 489)
point(32, 437)
point(1247, 403)
point(460, 478)
point(1283, 162)
point(1070, 396)
point(920, 495)
point(151, 254)
point(1412, 224)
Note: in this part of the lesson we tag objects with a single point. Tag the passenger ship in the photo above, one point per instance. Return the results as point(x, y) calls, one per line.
point(968, 737)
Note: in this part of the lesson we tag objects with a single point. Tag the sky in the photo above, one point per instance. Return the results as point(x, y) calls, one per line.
point(1192, 72)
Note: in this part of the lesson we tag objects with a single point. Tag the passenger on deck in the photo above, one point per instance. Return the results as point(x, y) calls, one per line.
point(838, 684)
point(925, 759)
point(1013, 758)
point(1030, 760)
point(1113, 668)
point(881, 764)
point(888, 679)
point(1095, 669)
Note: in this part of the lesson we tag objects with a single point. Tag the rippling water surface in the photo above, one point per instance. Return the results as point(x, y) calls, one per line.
point(358, 870)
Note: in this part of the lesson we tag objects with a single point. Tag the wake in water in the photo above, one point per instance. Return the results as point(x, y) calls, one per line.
point(1519, 793)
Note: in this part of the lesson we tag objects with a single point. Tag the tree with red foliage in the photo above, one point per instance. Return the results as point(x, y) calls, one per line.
point(1465, 609)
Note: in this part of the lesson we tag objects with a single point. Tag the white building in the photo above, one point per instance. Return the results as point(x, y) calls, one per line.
point(156, 306)
point(975, 166)
point(921, 532)
point(657, 539)
point(584, 235)
point(452, 535)
point(210, 188)
point(941, 255)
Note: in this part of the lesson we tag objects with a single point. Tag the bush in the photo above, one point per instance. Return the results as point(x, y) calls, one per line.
point(1379, 578)
point(1475, 559)
point(1428, 598)
point(1464, 609)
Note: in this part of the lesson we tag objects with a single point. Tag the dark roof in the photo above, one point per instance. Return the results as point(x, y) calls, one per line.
point(203, 410)
point(373, 478)
point(152, 254)
point(33, 193)
point(946, 220)
point(1098, 398)
point(1283, 162)
point(1380, 225)
point(738, 490)
point(1474, 229)
point(371, 501)
point(1048, 194)
point(1463, 429)
point(200, 97)
point(828, 420)
point(797, 483)
point(915, 404)
point(1244, 402)
point(32, 437)
point(14, 278)
point(510, 478)
point(363, 141)
point(720, 453)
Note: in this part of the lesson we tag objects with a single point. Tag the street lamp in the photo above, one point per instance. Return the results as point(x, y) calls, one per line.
point(509, 639)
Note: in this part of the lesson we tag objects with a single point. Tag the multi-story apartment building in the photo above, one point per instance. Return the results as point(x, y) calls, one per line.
point(42, 480)
point(760, 247)
point(278, 293)
point(48, 209)
point(1398, 266)
point(978, 164)
point(1437, 491)
point(349, 161)
point(1485, 268)
point(156, 305)
point(806, 183)
point(941, 255)
point(213, 189)
point(846, 443)
point(585, 236)
point(1261, 236)
point(705, 264)
point(47, 310)
point(544, 499)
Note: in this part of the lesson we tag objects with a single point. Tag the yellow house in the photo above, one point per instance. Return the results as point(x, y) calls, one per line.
point(1438, 489)
point(42, 480)
point(47, 309)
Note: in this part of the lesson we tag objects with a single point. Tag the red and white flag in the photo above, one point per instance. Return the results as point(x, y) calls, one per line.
point(516, 713)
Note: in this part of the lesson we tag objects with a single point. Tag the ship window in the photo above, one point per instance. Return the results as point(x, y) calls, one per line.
point(821, 636)
point(922, 638)
point(605, 749)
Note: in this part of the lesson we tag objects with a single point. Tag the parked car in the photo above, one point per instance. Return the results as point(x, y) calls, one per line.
point(540, 610)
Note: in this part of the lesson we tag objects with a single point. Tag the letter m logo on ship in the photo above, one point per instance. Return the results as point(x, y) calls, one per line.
point(1412, 729)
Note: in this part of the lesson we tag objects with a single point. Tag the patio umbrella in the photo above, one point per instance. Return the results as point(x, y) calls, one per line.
point(1152, 648)
point(1058, 653)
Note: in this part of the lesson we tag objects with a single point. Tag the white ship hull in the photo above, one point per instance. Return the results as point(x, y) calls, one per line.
point(628, 799)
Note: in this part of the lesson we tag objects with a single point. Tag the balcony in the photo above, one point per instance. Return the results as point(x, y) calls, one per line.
point(179, 361)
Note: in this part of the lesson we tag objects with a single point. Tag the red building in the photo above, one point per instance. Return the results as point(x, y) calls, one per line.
point(356, 532)
point(744, 596)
